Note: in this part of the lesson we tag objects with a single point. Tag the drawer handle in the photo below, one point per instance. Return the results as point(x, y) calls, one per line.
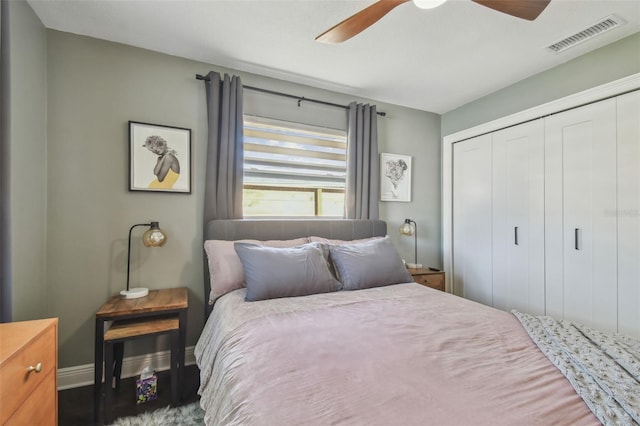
point(37, 368)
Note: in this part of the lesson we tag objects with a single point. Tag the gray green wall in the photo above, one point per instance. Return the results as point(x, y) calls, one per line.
point(94, 88)
point(609, 63)
point(28, 166)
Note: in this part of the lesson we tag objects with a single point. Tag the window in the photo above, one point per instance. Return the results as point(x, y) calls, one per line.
point(293, 169)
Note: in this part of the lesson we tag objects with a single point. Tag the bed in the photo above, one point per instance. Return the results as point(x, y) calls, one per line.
point(397, 354)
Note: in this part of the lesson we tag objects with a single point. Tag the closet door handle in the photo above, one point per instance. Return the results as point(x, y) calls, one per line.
point(515, 235)
point(576, 231)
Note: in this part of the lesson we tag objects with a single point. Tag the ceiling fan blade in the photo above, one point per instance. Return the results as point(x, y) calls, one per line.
point(358, 22)
point(525, 9)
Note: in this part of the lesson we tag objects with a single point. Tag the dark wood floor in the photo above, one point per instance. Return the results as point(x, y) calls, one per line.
point(75, 406)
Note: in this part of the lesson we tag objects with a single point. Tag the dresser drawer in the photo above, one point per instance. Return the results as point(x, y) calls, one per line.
point(435, 281)
point(18, 383)
point(39, 408)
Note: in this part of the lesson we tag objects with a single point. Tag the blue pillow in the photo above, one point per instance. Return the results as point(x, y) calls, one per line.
point(370, 264)
point(272, 272)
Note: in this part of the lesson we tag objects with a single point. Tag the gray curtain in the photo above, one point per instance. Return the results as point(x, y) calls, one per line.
point(5, 241)
point(225, 152)
point(363, 168)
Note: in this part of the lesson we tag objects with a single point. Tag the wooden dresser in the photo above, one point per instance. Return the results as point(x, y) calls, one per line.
point(29, 372)
point(429, 278)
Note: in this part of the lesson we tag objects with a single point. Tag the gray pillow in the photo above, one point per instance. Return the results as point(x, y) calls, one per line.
point(371, 264)
point(272, 272)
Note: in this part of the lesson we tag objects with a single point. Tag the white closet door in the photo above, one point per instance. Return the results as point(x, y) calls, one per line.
point(629, 214)
point(518, 218)
point(472, 219)
point(580, 211)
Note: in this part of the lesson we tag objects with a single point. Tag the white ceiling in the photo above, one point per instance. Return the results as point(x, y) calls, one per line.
point(434, 60)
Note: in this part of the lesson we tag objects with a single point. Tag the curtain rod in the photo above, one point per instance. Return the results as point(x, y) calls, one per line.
point(286, 95)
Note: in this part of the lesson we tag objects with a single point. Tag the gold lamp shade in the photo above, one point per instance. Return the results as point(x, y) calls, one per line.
point(407, 228)
point(154, 236)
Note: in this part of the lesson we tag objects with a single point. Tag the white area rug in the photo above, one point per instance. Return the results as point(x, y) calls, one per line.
point(186, 415)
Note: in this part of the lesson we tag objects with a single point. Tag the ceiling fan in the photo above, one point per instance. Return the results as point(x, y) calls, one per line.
point(355, 24)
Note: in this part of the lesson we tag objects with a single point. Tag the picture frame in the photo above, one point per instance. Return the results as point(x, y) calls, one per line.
point(395, 177)
point(159, 158)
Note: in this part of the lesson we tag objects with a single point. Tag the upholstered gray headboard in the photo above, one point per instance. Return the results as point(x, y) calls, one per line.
point(281, 229)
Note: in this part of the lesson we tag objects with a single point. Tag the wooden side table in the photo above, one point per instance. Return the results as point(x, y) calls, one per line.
point(161, 311)
point(429, 278)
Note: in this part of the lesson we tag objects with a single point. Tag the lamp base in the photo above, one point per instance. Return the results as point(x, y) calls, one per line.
point(134, 293)
point(414, 265)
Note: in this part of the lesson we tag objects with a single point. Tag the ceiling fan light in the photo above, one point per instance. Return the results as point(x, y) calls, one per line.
point(428, 4)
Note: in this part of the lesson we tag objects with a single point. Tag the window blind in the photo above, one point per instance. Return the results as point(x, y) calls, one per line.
point(286, 154)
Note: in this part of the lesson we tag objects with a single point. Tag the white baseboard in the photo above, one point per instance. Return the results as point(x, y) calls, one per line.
point(82, 375)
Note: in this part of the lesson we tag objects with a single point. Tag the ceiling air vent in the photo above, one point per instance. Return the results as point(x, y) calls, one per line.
point(601, 27)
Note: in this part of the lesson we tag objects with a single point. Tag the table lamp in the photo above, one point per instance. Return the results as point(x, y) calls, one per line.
point(153, 237)
point(409, 228)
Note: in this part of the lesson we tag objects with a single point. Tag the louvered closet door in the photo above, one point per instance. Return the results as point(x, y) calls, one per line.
point(472, 275)
point(580, 213)
point(518, 218)
point(629, 214)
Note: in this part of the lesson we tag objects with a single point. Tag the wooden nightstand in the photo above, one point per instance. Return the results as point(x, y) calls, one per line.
point(160, 312)
point(426, 277)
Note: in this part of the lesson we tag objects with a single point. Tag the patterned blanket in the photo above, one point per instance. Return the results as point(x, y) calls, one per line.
point(604, 369)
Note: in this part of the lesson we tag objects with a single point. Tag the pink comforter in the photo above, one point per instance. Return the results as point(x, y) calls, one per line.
point(396, 355)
